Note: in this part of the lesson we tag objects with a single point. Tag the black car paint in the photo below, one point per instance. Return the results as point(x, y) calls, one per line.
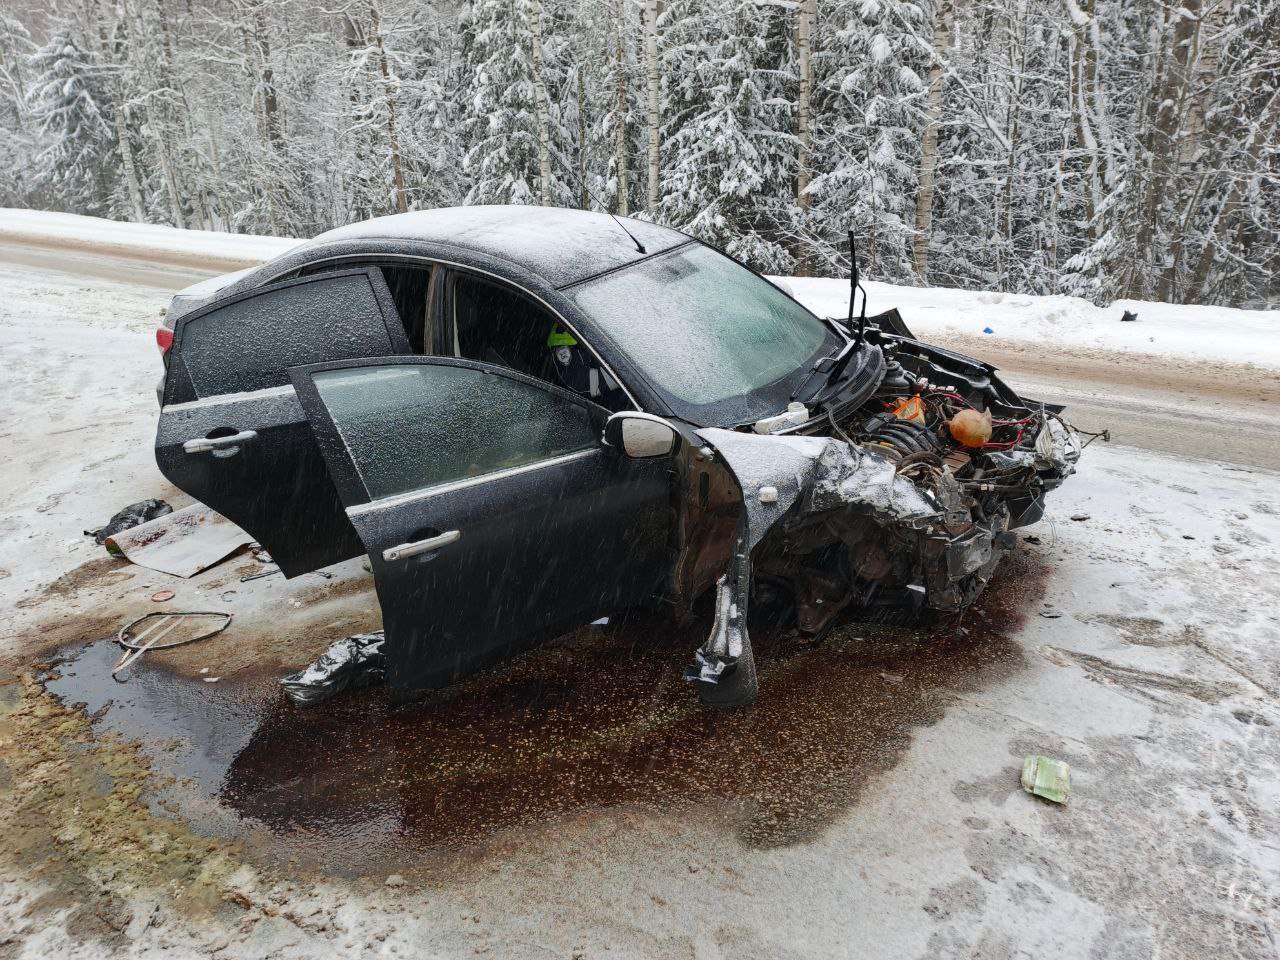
point(276, 485)
point(540, 549)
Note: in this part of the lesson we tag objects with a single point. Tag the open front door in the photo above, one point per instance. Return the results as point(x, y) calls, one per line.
point(491, 511)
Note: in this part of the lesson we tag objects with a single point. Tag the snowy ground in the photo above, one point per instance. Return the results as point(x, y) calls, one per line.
point(868, 807)
point(1166, 330)
point(202, 248)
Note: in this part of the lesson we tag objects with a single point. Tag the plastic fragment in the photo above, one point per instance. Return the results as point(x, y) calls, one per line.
point(1046, 777)
point(162, 596)
point(909, 408)
point(130, 516)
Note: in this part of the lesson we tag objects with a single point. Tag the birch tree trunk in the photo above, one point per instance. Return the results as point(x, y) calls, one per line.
point(388, 91)
point(540, 101)
point(126, 155)
point(584, 198)
point(1262, 133)
point(1017, 52)
point(1086, 109)
point(121, 125)
point(806, 17)
point(356, 200)
point(654, 117)
point(1204, 57)
point(266, 79)
point(220, 211)
point(172, 79)
point(620, 152)
point(166, 166)
point(1163, 143)
point(942, 34)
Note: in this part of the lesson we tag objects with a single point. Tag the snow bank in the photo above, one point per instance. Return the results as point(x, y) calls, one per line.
point(1176, 331)
point(144, 241)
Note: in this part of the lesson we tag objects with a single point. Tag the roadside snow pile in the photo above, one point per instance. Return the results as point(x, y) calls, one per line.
point(1171, 330)
point(1165, 329)
point(145, 241)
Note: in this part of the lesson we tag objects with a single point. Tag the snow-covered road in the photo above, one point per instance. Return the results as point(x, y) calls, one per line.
point(867, 807)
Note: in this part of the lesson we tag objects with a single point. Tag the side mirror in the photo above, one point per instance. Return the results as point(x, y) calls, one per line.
point(641, 435)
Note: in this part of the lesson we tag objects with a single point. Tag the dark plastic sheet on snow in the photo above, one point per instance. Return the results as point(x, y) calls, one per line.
point(350, 663)
point(130, 516)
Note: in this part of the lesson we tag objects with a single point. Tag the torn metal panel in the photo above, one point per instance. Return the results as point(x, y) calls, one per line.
point(182, 543)
point(777, 474)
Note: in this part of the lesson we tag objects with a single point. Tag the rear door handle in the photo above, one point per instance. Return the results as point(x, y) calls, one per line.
point(406, 550)
point(206, 444)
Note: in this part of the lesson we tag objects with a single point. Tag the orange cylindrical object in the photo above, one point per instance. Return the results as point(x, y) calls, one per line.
point(971, 428)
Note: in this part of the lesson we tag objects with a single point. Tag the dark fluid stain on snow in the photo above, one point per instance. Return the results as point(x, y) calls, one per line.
point(596, 720)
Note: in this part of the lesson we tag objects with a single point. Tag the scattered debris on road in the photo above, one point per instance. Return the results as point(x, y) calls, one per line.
point(203, 624)
point(356, 661)
point(258, 576)
point(131, 516)
point(182, 542)
point(1046, 777)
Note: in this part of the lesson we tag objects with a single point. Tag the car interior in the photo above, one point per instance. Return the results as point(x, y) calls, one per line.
point(490, 323)
point(456, 314)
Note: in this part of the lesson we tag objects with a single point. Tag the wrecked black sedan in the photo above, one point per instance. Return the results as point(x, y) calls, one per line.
point(531, 417)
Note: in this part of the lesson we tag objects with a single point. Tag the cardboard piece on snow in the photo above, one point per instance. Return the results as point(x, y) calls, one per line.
point(182, 543)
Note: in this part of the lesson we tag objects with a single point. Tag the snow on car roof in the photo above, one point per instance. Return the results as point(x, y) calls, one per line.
point(561, 245)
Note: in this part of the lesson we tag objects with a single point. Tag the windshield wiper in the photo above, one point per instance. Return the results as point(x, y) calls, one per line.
point(838, 360)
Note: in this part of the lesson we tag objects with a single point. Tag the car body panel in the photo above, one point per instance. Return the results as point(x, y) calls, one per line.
point(532, 549)
point(274, 485)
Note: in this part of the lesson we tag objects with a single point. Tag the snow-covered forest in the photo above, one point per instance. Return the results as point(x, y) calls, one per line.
point(1103, 148)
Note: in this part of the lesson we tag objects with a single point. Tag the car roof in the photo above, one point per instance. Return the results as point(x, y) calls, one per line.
point(560, 245)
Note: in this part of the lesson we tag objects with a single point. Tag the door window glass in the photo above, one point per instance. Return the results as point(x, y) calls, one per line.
point(408, 427)
point(494, 324)
point(411, 289)
point(249, 344)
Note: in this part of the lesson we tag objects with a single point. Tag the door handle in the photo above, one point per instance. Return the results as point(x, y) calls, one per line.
point(207, 444)
point(405, 550)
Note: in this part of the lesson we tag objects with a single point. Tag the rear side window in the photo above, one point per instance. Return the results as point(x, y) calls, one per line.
point(410, 427)
point(249, 344)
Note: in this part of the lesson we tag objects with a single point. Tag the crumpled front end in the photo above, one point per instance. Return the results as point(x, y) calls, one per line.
point(901, 506)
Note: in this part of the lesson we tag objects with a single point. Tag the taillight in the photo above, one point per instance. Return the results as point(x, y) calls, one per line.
point(164, 339)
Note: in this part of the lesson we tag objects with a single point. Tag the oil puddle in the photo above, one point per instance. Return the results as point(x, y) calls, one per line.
point(596, 720)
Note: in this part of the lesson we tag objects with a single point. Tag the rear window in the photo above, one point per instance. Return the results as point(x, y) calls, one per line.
point(250, 344)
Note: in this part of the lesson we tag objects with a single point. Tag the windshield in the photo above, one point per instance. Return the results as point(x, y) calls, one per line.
point(720, 342)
